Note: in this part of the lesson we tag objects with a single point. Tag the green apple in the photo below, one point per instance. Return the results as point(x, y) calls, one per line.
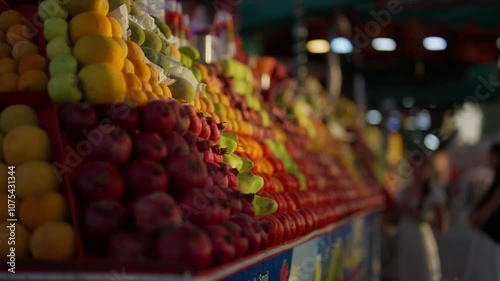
point(55, 27)
point(63, 64)
point(58, 46)
point(52, 9)
point(63, 88)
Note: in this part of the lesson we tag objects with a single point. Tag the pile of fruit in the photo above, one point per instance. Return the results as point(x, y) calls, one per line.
point(30, 191)
point(168, 159)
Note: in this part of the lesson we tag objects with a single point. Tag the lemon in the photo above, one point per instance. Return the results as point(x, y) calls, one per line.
point(35, 177)
point(26, 143)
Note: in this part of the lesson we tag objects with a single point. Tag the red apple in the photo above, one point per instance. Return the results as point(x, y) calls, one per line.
point(143, 177)
point(157, 117)
point(115, 146)
point(182, 121)
point(186, 172)
point(149, 146)
point(101, 220)
point(121, 115)
point(176, 144)
point(222, 244)
point(77, 118)
point(99, 181)
point(184, 246)
point(128, 247)
point(205, 206)
point(154, 211)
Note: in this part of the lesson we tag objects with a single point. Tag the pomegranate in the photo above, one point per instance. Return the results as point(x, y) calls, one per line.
point(154, 211)
point(205, 129)
point(232, 178)
point(121, 115)
point(234, 199)
point(208, 156)
point(149, 146)
point(176, 143)
point(218, 174)
point(222, 244)
point(205, 206)
point(143, 177)
point(254, 230)
point(128, 247)
point(218, 152)
point(157, 117)
point(194, 119)
point(185, 172)
point(99, 181)
point(101, 220)
point(77, 118)
point(214, 130)
point(182, 122)
point(264, 234)
point(247, 205)
point(115, 146)
point(240, 237)
point(196, 143)
point(184, 246)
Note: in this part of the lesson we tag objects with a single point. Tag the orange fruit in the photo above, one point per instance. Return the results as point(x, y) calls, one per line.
point(146, 86)
point(133, 82)
point(136, 98)
point(156, 88)
point(95, 48)
point(79, 26)
point(142, 70)
point(134, 51)
point(8, 65)
point(76, 7)
point(22, 48)
point(5, 50)
point(19, 32)
point(8, 82)
point(154, 72)
point(123, 45)
point(32, 62)
point(33, 80)
point(166, 90)
point(22, 240)
point(53, 204)
point(53, 241)
point(128, 67)
point(116, 28)
point(10, 18)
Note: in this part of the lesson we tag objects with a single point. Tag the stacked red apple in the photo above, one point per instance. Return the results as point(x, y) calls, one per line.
point(152, 186)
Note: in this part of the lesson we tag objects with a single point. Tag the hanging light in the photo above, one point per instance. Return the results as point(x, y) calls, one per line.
point(317, 46)
point(384, 44)
point(341, 45)
point(434, 43)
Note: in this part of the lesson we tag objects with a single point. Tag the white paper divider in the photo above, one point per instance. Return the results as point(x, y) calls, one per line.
point(121, 15)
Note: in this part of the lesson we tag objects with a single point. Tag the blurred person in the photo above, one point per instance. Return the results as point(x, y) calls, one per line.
point(484, 253)
point(422, 210)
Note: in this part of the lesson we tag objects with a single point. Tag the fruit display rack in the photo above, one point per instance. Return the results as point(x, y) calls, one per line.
point(121, 152)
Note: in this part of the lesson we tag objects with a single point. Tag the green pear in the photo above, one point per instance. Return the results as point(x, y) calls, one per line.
point(63, 88)
point(58, 46)
point(230, 135)
point(115, 4)
point(219, 109)
point(165, 48)
point(191, 52)
point(52, 9)
point(264, 206)
point(164, 29)
point(135, 10)
point(186, 61)
point(249, 183)
point(55, 27)
point(233, 161)
point(182, 89)
point(63, 64)
point(247, 165)
point(227, 143)
point(136, 33)
point(197, 74)
point(152, 40)
point(264, 117)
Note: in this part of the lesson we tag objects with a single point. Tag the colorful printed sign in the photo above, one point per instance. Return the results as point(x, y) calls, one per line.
point(351, 252)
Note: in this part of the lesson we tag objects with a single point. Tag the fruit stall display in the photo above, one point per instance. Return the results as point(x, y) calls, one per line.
point(121, 148)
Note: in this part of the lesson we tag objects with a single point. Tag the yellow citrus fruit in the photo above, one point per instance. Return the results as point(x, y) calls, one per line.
point(19, 32)
point(23, 48)
point(123, 45)
point(135, 52)
point(116, 28)
point(8, 65)
point(133, 82)
point(146, 86)
point(9, 18)
point(4, 174)
point(53, 204)
point(35, 177)
point(94, 48)
point(76, 7)
point(136, 98)
point(128, 67)
point(26, 143)
point(103, 83)
point(89, 23)
point(5, 50)
point(33, 80)
point(53, 241)
point(22, 240)
point(174, 52)
point(32, 62)
point(154, 72)
point(7, 211)
point(166, 90)
point(156, 88)
point(142, 70)
point(17, 115)
point(8, 82)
